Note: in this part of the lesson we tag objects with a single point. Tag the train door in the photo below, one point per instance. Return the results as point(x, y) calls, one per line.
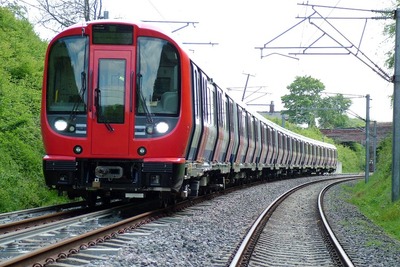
point(112, 88)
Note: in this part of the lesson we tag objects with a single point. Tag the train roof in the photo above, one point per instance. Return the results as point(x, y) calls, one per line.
point(140, 24)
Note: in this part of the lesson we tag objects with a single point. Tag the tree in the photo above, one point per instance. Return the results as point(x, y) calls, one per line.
point(390, 32)
point(332, 113)
point(304, 104)
point(303, 101)
point(59, 14)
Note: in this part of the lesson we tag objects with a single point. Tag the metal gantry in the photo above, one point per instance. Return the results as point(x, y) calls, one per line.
point(352, 49)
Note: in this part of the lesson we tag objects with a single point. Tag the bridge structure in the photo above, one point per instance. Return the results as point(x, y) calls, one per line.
point(343, 135)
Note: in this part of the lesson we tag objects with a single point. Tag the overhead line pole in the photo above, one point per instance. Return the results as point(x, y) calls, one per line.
point(367, 156)
point(396, 114)
point(245, 86)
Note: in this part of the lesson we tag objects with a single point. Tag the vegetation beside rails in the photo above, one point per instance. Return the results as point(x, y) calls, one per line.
point(21, 150)
point(374, 198)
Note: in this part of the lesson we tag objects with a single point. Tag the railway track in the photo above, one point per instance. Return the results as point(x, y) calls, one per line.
point(49, 243)
point(20, 220)
point(24, 242)
point(292, 231)
point(11, 217)
point(108, 235)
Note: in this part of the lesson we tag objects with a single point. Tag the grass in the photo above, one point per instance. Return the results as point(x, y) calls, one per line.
point(374, 199)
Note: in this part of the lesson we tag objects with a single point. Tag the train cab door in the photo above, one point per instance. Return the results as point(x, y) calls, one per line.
point(112, 89)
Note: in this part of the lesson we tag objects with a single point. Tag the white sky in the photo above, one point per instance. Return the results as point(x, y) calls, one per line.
point(240, 26)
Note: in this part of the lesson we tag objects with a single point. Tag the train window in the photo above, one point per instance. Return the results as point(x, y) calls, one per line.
point(274, 137)
point(211, 107)
point(230, 111)
point(112, 88)
point(204, 95)
point(244, 124)
point(208, 100)
point(158, 85)
point(240, 120)
point(251, 125)
point(67, 75)
point(221, 106)
point(225, 115)
point(196, 93)
point(284, 142)
point(264, 134)
point(269, 136)
point(112, 34)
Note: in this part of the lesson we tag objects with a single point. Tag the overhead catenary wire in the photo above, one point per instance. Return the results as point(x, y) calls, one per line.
point(349, 47)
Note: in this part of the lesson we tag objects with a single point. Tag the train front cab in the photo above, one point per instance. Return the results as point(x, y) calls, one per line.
point(110, 110)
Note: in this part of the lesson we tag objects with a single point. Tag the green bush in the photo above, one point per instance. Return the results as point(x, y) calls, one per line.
point(21, 69)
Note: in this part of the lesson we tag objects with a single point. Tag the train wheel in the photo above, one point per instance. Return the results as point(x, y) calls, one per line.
point(174, 200)
point(164, 200)
point(91, 198)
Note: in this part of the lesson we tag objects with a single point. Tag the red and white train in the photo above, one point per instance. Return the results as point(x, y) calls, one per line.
point(127, 114)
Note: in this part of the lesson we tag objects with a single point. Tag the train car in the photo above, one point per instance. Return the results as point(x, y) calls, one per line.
point(127, 114)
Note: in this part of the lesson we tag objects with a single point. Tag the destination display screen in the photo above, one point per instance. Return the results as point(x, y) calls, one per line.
point(113, 34)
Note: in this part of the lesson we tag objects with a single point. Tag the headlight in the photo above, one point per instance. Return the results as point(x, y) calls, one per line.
point(60, 124)
point(162, 127)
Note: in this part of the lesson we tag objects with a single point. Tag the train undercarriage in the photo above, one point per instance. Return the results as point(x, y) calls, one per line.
point(169, 182)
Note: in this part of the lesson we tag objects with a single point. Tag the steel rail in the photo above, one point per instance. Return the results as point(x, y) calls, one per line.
point(41, 209)
point(39, 220)
point(63, 249)
point(344, 258)
point(29, 232)
point(51, 217)
point(242, 254)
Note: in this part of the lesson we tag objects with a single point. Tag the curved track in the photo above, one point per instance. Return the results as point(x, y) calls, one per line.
point(288, 233)
point(328, 232)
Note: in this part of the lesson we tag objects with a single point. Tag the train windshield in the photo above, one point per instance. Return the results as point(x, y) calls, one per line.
point(67, 75)
point(158, 85)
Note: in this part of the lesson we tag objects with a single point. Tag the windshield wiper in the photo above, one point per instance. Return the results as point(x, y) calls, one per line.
point(80, 99)
point(143, 99)
point(100, 117)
